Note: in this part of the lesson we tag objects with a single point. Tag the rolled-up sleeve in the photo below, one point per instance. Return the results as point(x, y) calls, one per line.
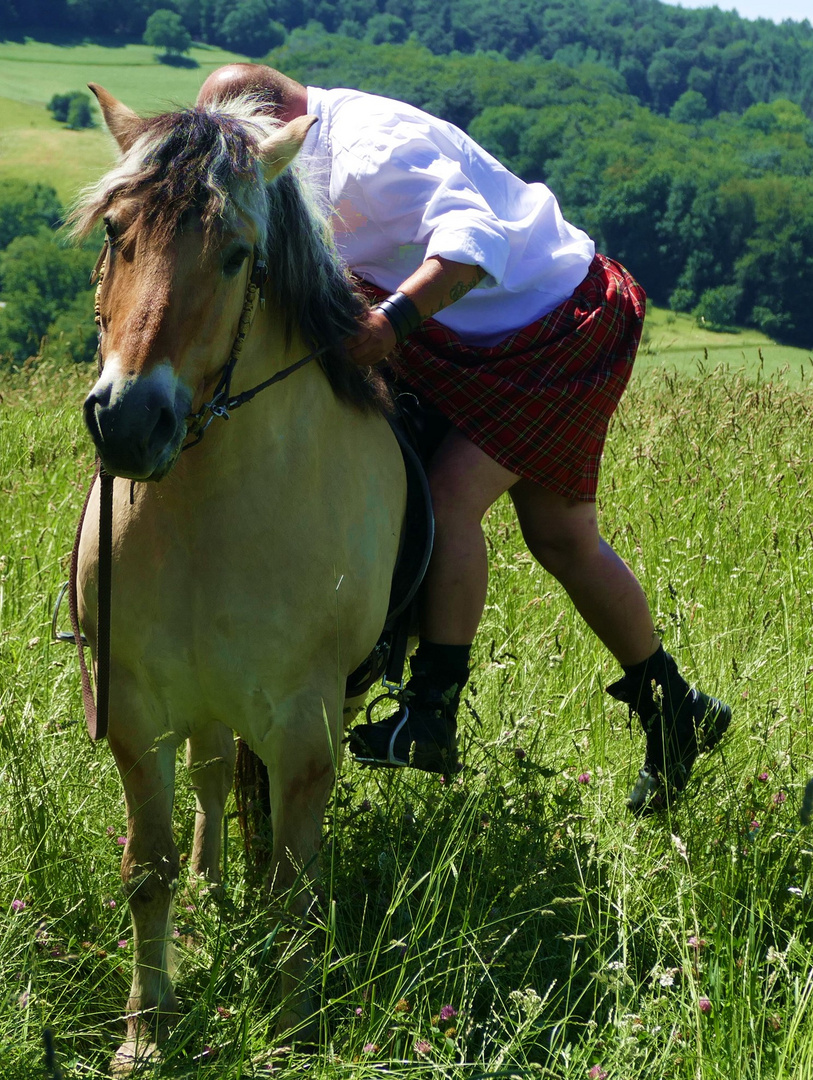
point(414, 185)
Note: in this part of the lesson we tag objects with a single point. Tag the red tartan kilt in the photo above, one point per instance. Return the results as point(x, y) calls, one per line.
point(540, 402)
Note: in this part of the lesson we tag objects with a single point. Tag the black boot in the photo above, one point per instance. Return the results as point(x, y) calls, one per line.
point(679, 723)
point(422, 733)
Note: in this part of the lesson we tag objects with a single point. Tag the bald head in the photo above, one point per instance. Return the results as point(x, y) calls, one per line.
point(287, 99)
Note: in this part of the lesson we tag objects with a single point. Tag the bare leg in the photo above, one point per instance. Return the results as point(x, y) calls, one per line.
point(464, 482)
point(563, 536)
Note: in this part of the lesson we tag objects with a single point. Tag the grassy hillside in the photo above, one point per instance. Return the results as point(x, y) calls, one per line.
point(35, 147)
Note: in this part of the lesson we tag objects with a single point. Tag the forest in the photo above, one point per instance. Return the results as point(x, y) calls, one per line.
point(701, 183)
point(660, 51)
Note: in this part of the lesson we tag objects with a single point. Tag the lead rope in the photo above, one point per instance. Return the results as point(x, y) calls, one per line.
point(97, 710)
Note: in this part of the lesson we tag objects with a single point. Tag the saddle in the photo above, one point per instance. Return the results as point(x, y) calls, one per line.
point(419, 428)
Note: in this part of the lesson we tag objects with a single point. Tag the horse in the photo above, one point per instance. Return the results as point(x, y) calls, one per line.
point(255, 576)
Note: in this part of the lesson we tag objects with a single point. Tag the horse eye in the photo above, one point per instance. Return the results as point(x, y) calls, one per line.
point(110, 230)
point(234, 261)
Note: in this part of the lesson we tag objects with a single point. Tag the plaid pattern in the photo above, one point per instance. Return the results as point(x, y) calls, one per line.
point(540, 402)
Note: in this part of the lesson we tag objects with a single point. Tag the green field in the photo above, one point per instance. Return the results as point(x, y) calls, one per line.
point(37, 148)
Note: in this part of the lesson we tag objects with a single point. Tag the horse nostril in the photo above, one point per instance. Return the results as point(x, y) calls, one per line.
point(93, 402)
point(164, 428)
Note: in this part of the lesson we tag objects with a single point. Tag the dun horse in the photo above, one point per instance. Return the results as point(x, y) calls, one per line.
point(255, 576)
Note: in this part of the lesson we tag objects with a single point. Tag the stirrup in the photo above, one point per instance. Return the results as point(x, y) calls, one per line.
point(391, 760)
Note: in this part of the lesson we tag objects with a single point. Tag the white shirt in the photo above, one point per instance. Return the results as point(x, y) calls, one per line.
point(403, 186)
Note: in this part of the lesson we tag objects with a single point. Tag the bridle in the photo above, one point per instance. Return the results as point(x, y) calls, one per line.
point(220, 405)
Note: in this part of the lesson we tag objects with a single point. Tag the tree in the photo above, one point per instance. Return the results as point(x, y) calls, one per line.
point(248, 29)
point(25, 209)
point(386, 28)
point(166, 31)
point(690, 108)
point(72, 109)
point(41, 278)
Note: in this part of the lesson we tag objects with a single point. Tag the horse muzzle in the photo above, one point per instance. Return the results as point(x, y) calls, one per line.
point(137, 425)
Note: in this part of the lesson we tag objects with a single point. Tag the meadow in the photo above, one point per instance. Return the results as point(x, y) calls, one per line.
point(516, 922)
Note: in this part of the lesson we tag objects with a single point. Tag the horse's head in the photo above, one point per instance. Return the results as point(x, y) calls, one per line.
point(186, 214)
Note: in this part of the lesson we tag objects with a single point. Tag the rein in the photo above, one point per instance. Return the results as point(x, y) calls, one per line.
point(220, 405)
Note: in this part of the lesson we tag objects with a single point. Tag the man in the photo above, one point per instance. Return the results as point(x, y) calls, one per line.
point(503, 317)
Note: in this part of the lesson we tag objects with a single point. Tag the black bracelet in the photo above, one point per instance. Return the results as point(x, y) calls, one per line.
point(401, 314)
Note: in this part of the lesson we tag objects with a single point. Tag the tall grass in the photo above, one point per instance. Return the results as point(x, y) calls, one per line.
point(515, 922)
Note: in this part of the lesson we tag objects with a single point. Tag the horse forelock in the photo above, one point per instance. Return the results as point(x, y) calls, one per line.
point(200, 160)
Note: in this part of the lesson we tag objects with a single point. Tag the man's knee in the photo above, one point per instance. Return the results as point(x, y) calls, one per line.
point(564, 542)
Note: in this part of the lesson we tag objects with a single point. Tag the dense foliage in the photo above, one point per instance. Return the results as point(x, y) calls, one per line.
point(72, 109)
point(662, 52)
point(44, 284)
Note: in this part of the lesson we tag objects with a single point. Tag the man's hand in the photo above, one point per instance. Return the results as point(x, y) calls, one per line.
point(435, 285)
point(374, 341)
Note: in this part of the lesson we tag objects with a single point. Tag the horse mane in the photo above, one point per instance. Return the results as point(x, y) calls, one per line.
point(204, 160)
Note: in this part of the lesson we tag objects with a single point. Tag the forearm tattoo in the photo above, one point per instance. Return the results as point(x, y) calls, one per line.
point(460, 288)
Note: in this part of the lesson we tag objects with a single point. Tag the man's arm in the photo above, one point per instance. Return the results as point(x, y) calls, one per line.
point(435, 285)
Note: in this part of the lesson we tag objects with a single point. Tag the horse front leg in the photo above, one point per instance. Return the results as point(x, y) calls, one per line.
point(210, 755)
point(149, 871)
point(301, 775)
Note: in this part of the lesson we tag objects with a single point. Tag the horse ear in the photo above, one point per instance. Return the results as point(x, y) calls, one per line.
point(282, 146)
point(122, 123)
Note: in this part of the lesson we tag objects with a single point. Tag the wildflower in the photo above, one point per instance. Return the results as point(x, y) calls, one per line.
point(448, 1012)
point(696, 943)
point(704, 1005)
point(17, 905)
point(223, 1012)
point(754, 825)
point(583, 778)
point(779, 798)
point(423, 1047)
point(370, 1048)
point(110, 830)
point(121, 840)
point(111, 903)
point(359, 1011)
point(122, 943)
point(597, 1073)
point(667, 979)
point(763, 777)
point(402, 1006)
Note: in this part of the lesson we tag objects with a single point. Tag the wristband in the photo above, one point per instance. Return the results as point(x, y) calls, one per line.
point(401, 314)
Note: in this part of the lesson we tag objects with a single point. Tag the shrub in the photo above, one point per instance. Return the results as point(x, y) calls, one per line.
point(72, 109)
point(717, 309)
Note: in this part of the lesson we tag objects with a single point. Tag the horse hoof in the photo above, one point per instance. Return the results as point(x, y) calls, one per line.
point(134, 1056)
